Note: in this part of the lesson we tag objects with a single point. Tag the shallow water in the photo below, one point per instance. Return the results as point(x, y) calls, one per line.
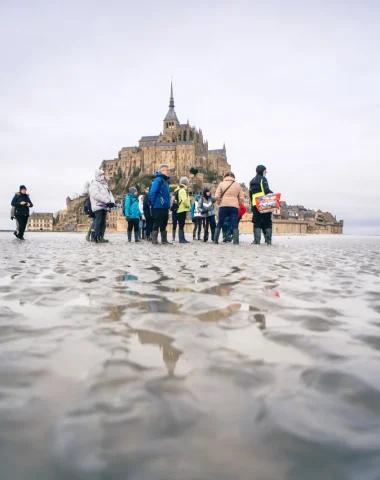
point(198, 361)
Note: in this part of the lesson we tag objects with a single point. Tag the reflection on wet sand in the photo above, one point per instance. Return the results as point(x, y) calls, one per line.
point(173, 363)
point(170, 354)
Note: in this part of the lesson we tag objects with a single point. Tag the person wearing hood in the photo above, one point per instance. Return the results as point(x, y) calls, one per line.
point(198, 218)
point(181, 193)
point(148, 215)
point(258, 187)
point(22, 204)
point(159, 199)
point(101, 199)
point(142, 224)
point(206, 206)
point(229, 195)
point(132, 213)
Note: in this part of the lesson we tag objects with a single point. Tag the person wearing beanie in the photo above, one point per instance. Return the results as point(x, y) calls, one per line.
point(198, 218)
point(206, 206)
point(132, 213)
point(21, 203)
point(182, 205)
point(258, 187)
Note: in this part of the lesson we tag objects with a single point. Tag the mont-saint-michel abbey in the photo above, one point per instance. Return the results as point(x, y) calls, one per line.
point(185, 149)
point(180, 145)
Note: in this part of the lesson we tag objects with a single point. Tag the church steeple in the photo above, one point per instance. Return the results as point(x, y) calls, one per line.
point(171, 103)
point(171, 122)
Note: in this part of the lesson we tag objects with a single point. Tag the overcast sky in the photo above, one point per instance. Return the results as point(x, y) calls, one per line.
point(293, 85)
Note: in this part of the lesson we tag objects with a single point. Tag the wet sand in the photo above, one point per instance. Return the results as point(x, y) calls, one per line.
point(129, 361)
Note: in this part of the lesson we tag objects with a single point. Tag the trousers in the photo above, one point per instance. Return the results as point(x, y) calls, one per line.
point(161, 218)
point(22, 221)
point(231, 212)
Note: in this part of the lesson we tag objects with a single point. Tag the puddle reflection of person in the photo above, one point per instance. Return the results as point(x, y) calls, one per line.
point(170, 355)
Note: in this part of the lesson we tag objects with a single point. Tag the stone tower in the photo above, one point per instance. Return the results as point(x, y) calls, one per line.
point(171, 123)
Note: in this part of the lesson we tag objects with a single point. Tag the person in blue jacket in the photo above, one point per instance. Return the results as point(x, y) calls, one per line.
point(159, 199)
point(132, 213)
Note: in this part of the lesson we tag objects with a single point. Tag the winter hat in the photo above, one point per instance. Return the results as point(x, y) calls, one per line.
point(184, 181)
point(260, 169)
point(205, 191)
point(22, 187)
point(133, 190)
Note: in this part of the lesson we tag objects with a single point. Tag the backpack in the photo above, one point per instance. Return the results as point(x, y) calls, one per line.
point(87, 207)
point(176, 203)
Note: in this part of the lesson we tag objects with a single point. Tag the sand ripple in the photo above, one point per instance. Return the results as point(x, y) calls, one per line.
point(126, 361)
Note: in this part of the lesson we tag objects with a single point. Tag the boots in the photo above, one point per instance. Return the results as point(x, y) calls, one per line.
point(155, 237)
point(93, 237)
point(256, 236)
point(268, 236)
point(181, 236)
point(149, 237)
point(137, 237)
point(129, 236)
point(173, 234)
point(224, 233)
point(88, 236)
point(216, 235)
point(143, 234)
point(235, 236)
point(164, 238)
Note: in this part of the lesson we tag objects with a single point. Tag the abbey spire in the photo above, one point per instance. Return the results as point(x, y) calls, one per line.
point(171, 115)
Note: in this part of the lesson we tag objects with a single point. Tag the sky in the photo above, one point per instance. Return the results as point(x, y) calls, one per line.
point(292, 85)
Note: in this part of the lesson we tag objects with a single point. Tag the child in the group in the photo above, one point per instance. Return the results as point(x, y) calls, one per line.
point(132, 213)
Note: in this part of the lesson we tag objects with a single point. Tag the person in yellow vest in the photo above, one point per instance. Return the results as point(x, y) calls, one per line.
point(182, 200)
point(258, 187)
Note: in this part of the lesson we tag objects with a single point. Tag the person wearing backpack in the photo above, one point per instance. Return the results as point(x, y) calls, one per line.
point(13, 212)
point(22, 203)
point(206, 206)
point(180, 206)
point(159, 199)
point(229, 195)
point(132, 213)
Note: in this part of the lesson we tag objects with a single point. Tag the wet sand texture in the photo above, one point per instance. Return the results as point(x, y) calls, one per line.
point(189, 362)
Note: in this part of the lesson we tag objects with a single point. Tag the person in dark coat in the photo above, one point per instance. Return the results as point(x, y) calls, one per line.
point(148, 215)
point(159, 199)
point(258, 187)
point(22, 204)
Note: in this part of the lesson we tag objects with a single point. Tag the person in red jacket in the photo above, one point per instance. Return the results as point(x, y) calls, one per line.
point(242, 210)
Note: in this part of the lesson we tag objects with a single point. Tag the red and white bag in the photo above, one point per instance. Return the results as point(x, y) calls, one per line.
point(268, 203)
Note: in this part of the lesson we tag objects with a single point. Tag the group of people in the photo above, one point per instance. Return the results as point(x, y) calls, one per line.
point(148, 214)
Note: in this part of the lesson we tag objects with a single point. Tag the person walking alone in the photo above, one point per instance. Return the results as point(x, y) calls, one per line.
point(182, 195)
point(229, 195)
point(132, 213)
point(206, 206)
point(259, 187)
point(101, 200)
point(22, 204)
point(159, 199)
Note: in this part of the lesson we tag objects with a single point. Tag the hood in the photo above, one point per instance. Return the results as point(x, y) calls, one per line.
point(98, 174)
point(196, 198)
point(161, 175)
point(132, 195)
point(205, 191)
point(141, 198)
point(229, 179)
point(260, 169)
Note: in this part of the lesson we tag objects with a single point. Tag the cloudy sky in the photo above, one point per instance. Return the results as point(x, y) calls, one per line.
point(291, 84)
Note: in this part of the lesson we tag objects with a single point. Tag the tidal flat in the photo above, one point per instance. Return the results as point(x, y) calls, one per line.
point(189, 362)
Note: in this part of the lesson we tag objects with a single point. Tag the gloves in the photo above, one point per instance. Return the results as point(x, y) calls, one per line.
point(110, 205)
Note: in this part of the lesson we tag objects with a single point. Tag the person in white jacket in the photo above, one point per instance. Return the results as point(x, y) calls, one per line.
point(142, 222)
point(101, 199)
